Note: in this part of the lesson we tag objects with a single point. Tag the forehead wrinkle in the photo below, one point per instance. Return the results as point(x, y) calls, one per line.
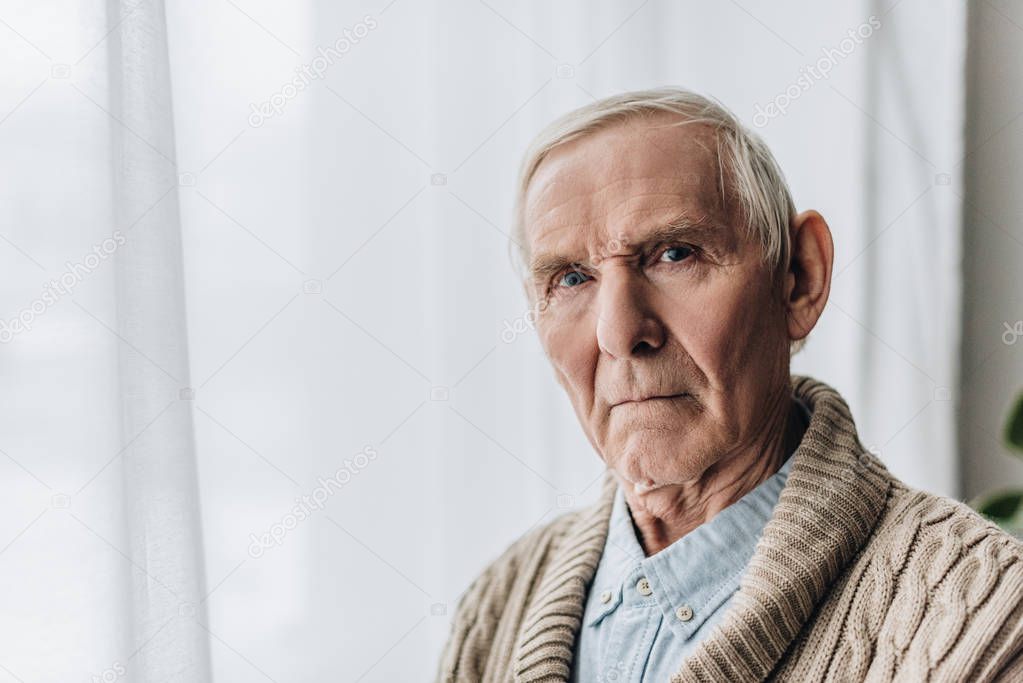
point(676, 209)
point(674, 192)
point(697, 160)
point(605, 187)
point(680, 205)
point(707, 141)
point(680, 138)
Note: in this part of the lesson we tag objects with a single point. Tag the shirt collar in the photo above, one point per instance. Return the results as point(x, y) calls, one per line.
point(696, 573)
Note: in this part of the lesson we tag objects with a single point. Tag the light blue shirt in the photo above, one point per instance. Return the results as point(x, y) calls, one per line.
point(644, 615)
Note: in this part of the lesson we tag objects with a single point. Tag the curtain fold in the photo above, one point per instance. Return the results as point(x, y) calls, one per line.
point(907, 271)
point(161, 496)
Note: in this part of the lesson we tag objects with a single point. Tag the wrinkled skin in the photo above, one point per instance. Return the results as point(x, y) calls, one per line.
point(662, 322)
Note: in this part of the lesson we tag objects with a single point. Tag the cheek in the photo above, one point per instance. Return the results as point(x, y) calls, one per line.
point(571, 347)
point(721, 327)
point(706, 325)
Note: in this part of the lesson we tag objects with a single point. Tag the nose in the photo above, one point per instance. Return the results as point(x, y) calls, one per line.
point(627, 327)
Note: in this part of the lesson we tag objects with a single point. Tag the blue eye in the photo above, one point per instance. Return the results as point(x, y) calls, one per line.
point(676, 254)
point(571, 279)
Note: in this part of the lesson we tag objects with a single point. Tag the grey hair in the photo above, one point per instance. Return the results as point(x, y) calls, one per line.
point(754, 180)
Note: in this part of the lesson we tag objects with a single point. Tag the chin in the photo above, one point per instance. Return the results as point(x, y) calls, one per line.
point(651, 459)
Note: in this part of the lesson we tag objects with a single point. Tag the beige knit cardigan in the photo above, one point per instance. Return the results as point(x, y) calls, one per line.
point(856, 577)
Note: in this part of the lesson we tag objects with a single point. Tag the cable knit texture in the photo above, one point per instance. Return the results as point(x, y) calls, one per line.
point(857, 576)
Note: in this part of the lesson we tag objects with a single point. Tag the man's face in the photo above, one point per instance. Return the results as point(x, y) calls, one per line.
point(655, 309)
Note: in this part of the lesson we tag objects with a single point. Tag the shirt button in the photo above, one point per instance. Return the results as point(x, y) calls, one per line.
point(605, 597)
point(684, 613)
point(644, 586)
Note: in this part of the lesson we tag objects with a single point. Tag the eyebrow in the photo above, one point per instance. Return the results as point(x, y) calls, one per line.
point(682, 228)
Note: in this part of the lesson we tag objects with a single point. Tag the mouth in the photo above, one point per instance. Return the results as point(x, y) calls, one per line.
point(650, 399)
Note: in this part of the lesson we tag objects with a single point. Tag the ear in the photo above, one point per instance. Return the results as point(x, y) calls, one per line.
point(808, 280)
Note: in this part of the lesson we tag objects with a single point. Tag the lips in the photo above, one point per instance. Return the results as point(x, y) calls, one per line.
point(642, 399)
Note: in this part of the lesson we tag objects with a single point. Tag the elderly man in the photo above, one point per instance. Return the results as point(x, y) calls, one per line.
point(743, 532)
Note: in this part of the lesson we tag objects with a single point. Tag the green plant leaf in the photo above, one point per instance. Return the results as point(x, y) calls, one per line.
point(1014, 427)
point(1005, 508)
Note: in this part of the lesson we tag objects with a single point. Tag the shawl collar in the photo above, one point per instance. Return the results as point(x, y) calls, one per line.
point(832, 500)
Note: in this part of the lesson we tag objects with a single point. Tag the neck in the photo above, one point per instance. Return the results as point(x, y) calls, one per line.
point(695, 502)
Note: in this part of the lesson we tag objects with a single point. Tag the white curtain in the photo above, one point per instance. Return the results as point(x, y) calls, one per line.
point(271, 397)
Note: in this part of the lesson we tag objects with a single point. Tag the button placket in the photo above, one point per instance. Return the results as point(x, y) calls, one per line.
point(633, 632)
